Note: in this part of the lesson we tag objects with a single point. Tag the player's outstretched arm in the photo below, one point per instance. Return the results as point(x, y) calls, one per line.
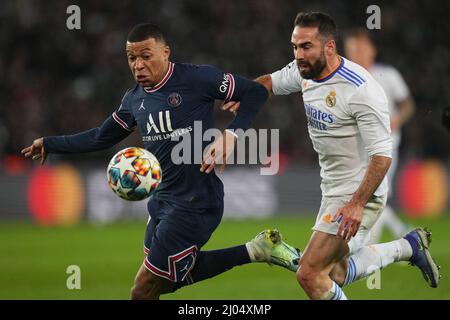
point(252, 96)
point(36, 150)
point(265, 80)
point(100, 138)
point(215, 84)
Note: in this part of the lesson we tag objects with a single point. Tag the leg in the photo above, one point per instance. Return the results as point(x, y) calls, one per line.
point(172, 244)
point(331, 259)
point(369, 259)
point(363, 260)
point(324, 251)
point(414, 247)
point(339, 272)
point(148, 286)
point(366, 259)
point(267, 246)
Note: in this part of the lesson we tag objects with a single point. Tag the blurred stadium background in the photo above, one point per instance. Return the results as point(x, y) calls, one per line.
point(57, 81)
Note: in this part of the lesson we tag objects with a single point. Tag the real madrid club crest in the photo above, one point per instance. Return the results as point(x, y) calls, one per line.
point(174, 99)
point(331, 99)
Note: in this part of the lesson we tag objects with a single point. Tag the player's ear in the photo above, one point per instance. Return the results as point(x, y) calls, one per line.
point(330, 47)
point(166, 52)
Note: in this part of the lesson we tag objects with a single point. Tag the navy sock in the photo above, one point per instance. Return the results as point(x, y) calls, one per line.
point(414, 245)
point(212, 263)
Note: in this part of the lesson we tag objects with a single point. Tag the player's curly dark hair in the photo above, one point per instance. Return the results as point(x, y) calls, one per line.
point(324, 22)
point(144, 31)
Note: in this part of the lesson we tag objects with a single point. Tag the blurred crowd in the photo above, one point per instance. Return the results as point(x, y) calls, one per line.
point(56, 81)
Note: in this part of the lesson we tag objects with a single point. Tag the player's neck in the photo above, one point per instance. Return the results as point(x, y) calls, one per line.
point(162, 75)
point(369, 66)
point(331, 66)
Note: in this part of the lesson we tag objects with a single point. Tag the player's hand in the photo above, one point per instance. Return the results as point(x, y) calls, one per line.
point(36, 150)
point(352, 214)
point(232, 106)
point(219, 152)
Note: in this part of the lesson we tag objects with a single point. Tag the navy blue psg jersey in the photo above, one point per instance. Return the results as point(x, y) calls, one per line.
point(186, 94)
point(180, 105)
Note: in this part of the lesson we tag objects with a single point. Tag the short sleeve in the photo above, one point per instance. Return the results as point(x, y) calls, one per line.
point(287, 80)
point(369, 106)
point(124, 113)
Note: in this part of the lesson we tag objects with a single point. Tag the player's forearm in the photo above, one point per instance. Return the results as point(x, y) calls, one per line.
point(376, 171)
point(103, 137)
point(266, 81)
point(251, 102)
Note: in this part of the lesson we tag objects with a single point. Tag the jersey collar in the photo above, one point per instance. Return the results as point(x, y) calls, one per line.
point(163, 81)
point(331, 74)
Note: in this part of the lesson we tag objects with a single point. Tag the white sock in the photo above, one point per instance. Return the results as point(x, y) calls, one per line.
point(250, 252)
point(334, 293)
point(368, 259)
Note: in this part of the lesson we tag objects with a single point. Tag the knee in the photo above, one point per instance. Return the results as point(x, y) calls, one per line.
point(312, 281)
point(307, 277)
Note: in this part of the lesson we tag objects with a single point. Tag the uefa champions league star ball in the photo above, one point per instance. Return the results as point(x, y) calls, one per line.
point(134, 173)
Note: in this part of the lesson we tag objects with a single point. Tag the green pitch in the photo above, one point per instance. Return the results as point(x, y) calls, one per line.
point(33, 263)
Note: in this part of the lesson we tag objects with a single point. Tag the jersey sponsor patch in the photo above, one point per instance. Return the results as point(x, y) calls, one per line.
point(227, 86)
point(318, 119)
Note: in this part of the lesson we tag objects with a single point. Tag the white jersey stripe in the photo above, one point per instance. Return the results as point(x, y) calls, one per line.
point(120, 121)
point(231, 87)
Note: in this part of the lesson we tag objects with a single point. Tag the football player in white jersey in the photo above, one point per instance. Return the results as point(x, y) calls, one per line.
point(360, 48)
point(348, 123)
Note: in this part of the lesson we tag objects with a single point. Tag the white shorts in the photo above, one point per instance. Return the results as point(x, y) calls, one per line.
point(371, 213)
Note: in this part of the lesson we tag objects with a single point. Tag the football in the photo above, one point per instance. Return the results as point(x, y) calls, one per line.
point(134, 173)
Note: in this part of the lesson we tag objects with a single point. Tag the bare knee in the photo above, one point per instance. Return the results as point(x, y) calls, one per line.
point(310, 280)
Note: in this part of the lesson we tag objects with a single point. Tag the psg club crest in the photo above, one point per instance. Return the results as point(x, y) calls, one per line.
point(174, 99)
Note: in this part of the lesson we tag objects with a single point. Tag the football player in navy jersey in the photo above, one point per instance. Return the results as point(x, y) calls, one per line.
point(187, 206)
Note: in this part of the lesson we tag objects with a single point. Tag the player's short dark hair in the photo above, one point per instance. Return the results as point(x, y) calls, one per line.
point(359, 33)
point(144, 31)
point(324, 22)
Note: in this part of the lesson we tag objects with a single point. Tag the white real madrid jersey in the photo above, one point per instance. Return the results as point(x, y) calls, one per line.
point(394, 87)
point(348, 122)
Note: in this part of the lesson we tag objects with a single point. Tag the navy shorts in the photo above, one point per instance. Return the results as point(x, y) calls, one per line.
point(173, 237)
